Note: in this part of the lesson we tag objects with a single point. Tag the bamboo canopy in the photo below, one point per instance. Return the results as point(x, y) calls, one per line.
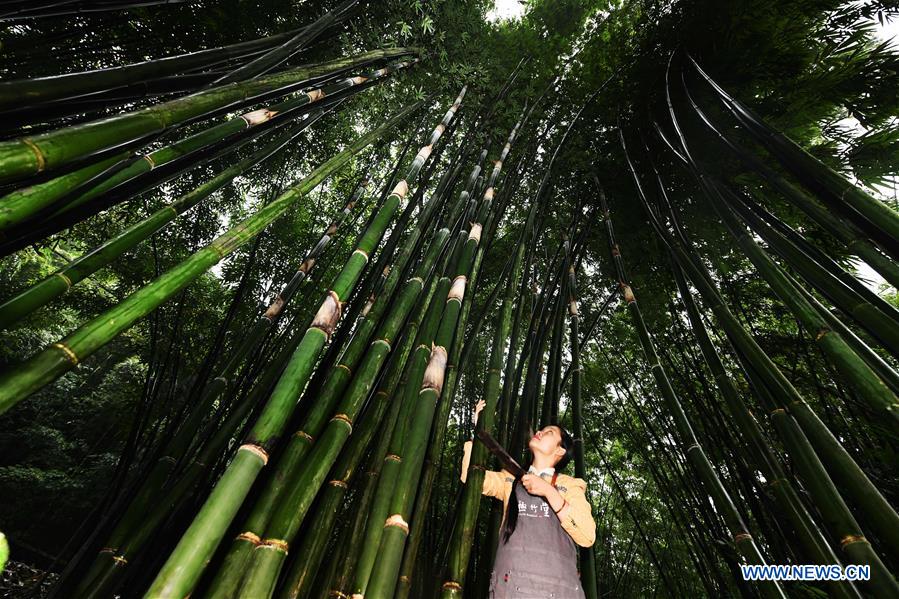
point(265, 269)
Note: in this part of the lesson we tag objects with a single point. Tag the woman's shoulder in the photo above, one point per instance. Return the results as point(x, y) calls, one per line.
point(565, 482)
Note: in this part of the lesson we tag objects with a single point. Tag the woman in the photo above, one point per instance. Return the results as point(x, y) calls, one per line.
point(537, 556)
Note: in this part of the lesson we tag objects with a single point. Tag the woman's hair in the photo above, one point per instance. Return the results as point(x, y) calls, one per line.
point(512, 511)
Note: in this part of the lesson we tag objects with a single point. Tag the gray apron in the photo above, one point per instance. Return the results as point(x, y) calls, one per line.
point(540, 559)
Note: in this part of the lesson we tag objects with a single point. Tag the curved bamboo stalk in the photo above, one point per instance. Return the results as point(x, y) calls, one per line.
point(857, 373)
point(53, 362)
point(867, 212)
point(69, 275)
point(28, 156)
point(63, 194)
point(840, 521)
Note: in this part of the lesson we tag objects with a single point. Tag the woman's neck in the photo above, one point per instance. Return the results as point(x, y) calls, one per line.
point(542, 462)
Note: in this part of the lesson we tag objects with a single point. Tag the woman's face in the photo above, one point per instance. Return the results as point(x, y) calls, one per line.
point(547, 440)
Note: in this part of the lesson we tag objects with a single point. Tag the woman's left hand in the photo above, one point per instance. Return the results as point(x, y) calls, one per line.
point(535, 485)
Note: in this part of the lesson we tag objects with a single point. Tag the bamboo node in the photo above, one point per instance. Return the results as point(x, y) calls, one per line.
point(328, 314)
point(572, 307)
point(257, 117)
point(107, 550)
point(743, 536)
point(778, 411)
point(338, 483)
point(616, 251)
point(821, 334)
point(345, 367)
point(357, 596)
point(73, 358)
point(336, 593)
point(255, 450)
point(452, 585)
point(149, 160)
point(436, 370)
point(475, 232)
point(250, 537)
point(274, 308)
point(66, 279)
point(488, 194)
point(850, 539)
point(362, 253)
point(401, 189)
point(457, 291)
point(345, 419)
point(694, 447)
point(120, 559)
point(628, 293)
point(393, 458)
point(275, 545)
point(397, 521)
point(359, 80)
point(38, 154)
point(315, 95)
point(304, 435)
point(423, 153)
point(384, 341)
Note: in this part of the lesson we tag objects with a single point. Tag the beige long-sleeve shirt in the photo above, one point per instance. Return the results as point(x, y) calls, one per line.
point(575, 518)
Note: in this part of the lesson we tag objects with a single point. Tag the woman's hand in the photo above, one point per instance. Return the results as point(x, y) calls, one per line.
point(477, 411)
point(535, 485)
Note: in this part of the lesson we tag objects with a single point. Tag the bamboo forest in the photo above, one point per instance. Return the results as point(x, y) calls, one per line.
point(344, 298)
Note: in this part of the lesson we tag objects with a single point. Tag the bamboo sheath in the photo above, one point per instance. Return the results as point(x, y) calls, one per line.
point(62, 194)
point(28, 156)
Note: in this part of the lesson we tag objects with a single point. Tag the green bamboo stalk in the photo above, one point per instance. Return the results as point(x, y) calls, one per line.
point(45, 89)
point(587, 557)
point(463, 531)
point(874, 507)
point(302, 572)
point(268, 557)
point(279, 54)
point(28, 156)
point(691, 447)
point(849, 234)
point(69, 275)
point(57, 359)
point(831, 186)
point(335, 432)
point(869, 386)
point(878, 324)
point(228, 578)
point(64, 193)
point(185, 564)
point(393, 459)
point(396, 527)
